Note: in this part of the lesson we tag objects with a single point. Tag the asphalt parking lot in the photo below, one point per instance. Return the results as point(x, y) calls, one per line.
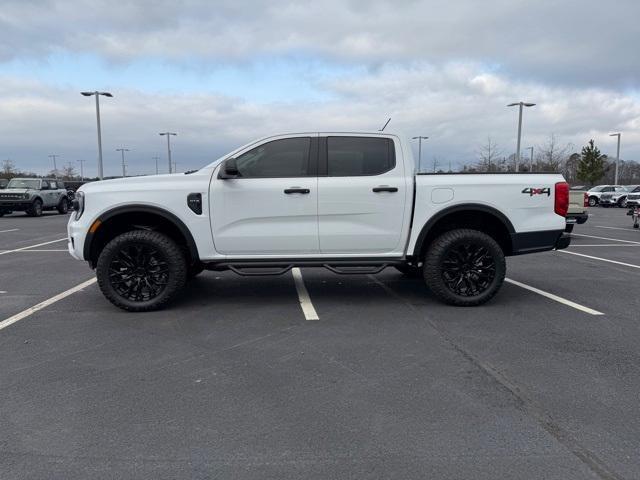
point(233, 381)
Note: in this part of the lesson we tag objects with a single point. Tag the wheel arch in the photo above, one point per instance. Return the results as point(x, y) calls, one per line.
point(470, 215)
point(132, 217)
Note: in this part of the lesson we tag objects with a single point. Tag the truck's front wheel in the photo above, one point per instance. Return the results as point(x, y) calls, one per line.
point(141, 270)
point(464, 267)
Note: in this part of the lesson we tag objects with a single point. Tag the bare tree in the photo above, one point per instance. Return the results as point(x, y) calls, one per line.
point(488, 156)
point(8, 169)
point(552, 156)
point(68, 172)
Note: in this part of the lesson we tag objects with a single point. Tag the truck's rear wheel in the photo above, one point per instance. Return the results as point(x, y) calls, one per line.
point(63, 206)
point(141, 270)
point(36, 208)
point(464, 267)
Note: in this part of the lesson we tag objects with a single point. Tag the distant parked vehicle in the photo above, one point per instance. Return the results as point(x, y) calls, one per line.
point(633, 198)
point(617, 198)
point(33, 195)
point(3, 183)
point(595, 194)
point(577, 212)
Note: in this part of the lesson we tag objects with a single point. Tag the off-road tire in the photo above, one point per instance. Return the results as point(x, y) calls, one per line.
point(439, 251)
point(164, 247)
point(36, 208)
point(63, 206)
point(593, 201)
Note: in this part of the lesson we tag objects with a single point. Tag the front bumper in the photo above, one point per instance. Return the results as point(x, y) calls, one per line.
point(13, 206)
point(76, 234)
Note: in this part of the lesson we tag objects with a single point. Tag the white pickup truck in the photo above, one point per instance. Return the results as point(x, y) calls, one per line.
point(349, 202)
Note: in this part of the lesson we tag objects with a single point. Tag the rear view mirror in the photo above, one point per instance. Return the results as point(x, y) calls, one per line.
point(229, 169)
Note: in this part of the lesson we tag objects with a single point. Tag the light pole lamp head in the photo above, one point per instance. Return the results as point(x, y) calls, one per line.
point(615, 134)
point(524, 104)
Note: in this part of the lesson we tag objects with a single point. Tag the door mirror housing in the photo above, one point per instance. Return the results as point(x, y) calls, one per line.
point(229, 169)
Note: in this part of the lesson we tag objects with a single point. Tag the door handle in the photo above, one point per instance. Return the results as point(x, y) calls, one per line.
point(291, 190)
point(384, 188)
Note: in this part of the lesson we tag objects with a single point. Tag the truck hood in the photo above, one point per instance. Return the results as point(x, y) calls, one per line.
point(15, 190)
point(166, 181)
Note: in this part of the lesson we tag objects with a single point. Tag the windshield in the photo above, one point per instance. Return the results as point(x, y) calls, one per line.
point(598, 188)
point(24, 183)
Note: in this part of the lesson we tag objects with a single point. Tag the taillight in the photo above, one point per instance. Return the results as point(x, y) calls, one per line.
point(561, 204)
point(586, 200)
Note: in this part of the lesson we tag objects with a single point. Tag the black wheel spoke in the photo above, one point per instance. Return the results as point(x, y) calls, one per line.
point(468, 269)
point(138, 272)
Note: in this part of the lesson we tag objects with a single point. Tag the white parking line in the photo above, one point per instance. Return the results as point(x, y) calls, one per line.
point(615, 228)
point(303, 296)
point(65, 250)
point(588, 245)
point(7, 231)
point(33, 246)
point(29, 311)
point(601, 259)
point(556, 298)
point(604, 238)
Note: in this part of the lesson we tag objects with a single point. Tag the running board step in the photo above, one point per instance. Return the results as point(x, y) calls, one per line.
point(355, 269)
point(259, 271)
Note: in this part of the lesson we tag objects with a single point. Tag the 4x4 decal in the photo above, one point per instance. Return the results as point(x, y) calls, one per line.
point(537, 191)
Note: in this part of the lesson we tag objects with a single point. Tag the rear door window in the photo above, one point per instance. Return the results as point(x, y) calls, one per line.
point(359, 156)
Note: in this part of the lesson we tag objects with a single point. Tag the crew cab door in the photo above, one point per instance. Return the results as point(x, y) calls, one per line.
point(271, 206)
point(362, 195)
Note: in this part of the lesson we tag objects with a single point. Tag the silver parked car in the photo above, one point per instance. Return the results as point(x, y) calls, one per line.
point(33, 196)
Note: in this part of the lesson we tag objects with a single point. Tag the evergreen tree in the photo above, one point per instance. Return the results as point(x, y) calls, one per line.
point(591, 165)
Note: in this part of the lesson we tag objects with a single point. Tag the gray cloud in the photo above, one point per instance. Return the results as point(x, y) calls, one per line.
point(457, 105)
point(587, 42)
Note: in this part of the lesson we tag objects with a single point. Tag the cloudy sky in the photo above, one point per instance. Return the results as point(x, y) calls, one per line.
point(221, 73)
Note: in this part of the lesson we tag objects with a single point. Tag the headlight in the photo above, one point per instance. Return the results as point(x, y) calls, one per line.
point(78, 204)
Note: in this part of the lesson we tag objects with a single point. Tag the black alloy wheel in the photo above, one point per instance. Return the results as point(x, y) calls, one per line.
point(138, 272)
point(468, 269)
point(464, 267)
point(141, 270)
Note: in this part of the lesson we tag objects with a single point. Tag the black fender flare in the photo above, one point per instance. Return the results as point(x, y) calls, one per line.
point(464, 207)
point(191, 244)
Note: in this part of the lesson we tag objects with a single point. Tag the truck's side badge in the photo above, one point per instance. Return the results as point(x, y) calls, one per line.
point(194, 201)
point(531, 191)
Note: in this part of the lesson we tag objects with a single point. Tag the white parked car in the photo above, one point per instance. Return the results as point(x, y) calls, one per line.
point(596, 193)
point(334, 200)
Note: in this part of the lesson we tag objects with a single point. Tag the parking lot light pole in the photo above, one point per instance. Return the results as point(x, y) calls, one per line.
point(168, 135)
point(122, 150)
point(521, 105)
point(419, 138)
point(615, 181)
point(97, 94)
point(55, 167)
point(156, 158)
point(530, 159)
point(81, 169)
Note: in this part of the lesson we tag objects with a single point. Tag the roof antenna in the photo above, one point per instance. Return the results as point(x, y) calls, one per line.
point(385, 125)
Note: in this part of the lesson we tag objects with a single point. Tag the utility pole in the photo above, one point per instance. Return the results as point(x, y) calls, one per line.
point(81, 169)
point(97, 95)
point(530, 159)
point(55, 167)
point(435, 163)
point(122, 150)
point(615, 182)
point(168, 135)
point(175, 167)
point(521, 105)
point(156, 158)
point(420, 138)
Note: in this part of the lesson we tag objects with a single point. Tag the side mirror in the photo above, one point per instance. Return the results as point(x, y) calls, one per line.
point(229, 169)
